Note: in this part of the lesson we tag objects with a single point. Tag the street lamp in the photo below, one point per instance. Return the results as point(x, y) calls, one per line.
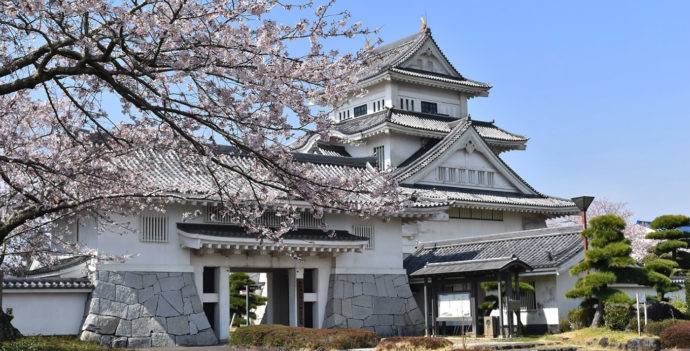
point(583, 203)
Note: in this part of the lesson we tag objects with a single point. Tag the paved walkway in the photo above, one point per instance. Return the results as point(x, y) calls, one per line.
point(189, 348)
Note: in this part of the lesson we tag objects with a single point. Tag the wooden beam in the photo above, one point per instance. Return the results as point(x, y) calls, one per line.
point(500, 304)
point(518, 297)
point(509, 298)
point(474, 307)
point(426, 308)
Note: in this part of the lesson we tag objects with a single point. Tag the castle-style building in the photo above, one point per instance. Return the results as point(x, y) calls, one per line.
point(472, 219)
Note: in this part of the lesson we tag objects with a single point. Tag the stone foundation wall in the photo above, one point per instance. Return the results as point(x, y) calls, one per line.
point(379, 302)
point(146, 309)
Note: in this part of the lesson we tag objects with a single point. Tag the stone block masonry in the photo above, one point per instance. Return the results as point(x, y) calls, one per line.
point(146, 309)
point(378, 302)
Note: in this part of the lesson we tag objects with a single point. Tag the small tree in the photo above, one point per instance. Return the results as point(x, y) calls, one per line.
point(238, 302)
point(667, 257)
point(608, 261)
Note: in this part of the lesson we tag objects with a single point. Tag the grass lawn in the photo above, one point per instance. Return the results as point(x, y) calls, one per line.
point(572, 338)
point(50, 343)
point(581, 336)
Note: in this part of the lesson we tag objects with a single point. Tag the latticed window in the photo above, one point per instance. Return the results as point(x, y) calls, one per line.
point(216, 214)
point(360, 110)
point(490, 178)
point(441, 174)
point(154, 228)
point(528, 300)
point(429, 107)
point(474, 213)
point(365, 231)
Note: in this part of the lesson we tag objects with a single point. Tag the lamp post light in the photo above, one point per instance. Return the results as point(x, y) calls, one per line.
point(583, 203)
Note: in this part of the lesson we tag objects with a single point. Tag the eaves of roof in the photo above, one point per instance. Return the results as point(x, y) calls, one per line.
point(540, 248)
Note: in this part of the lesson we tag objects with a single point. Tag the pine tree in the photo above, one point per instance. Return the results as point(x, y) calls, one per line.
point(608, 261)
point(239, 281)
point(667, 257)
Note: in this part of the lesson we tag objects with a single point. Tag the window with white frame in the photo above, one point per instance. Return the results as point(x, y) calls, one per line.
point(154, 228)
point(364, 231)
point(472, 177)
point(490, 178)
point(380, 157)
point(481, 177)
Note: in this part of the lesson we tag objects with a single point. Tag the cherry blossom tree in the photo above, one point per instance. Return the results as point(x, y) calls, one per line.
point(89, 88)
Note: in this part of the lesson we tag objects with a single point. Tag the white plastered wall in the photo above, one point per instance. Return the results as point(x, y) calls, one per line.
point(565, 283)
point(454, 228)
point(46, 312)
point(449, 102)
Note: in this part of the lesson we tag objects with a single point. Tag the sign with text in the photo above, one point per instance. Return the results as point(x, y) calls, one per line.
point(455, 305)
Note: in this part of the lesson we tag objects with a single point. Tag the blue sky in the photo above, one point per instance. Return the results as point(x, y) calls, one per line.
point(601, 88)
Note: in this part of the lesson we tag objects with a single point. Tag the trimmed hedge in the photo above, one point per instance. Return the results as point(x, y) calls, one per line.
point(677, 336)
point(616, 316)
point(659, 311)
point(656, 328)
point(50, 343)
point(303, 338)
point(402, 343)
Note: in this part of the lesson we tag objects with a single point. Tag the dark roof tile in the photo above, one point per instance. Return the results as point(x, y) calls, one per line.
point(539, 248)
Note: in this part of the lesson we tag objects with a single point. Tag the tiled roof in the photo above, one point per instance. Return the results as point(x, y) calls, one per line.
point(332, 150)
point(480, 266)
point(486, 198)
point(424, 121)
point(59, 265)
point(441, 77)
point(458, 194)
point(234, 231)
point(388, 58)
point(168, 172)
point(539, 248)
point(46, 283)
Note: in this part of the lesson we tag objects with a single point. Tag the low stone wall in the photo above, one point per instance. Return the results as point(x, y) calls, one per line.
point(145, 309)
point(379, 302)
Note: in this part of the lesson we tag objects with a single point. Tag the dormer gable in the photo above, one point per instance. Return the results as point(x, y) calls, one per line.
point(465, 154)
point(429, 58)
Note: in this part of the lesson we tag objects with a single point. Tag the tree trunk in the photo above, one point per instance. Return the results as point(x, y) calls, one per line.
point(7, 331)
point(598, 314)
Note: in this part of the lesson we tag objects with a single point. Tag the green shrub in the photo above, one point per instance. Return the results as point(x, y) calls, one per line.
point(402, 343)
point(680, 306)
point(677, 336)
point(616, 316)
point(303, 338)
point(687, 294)
point(50, 343)
point(564, 324)
point(656, 328)
point(581, 317)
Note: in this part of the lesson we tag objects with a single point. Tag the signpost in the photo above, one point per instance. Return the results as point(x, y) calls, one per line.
point(637, 305)
point(248, 289)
